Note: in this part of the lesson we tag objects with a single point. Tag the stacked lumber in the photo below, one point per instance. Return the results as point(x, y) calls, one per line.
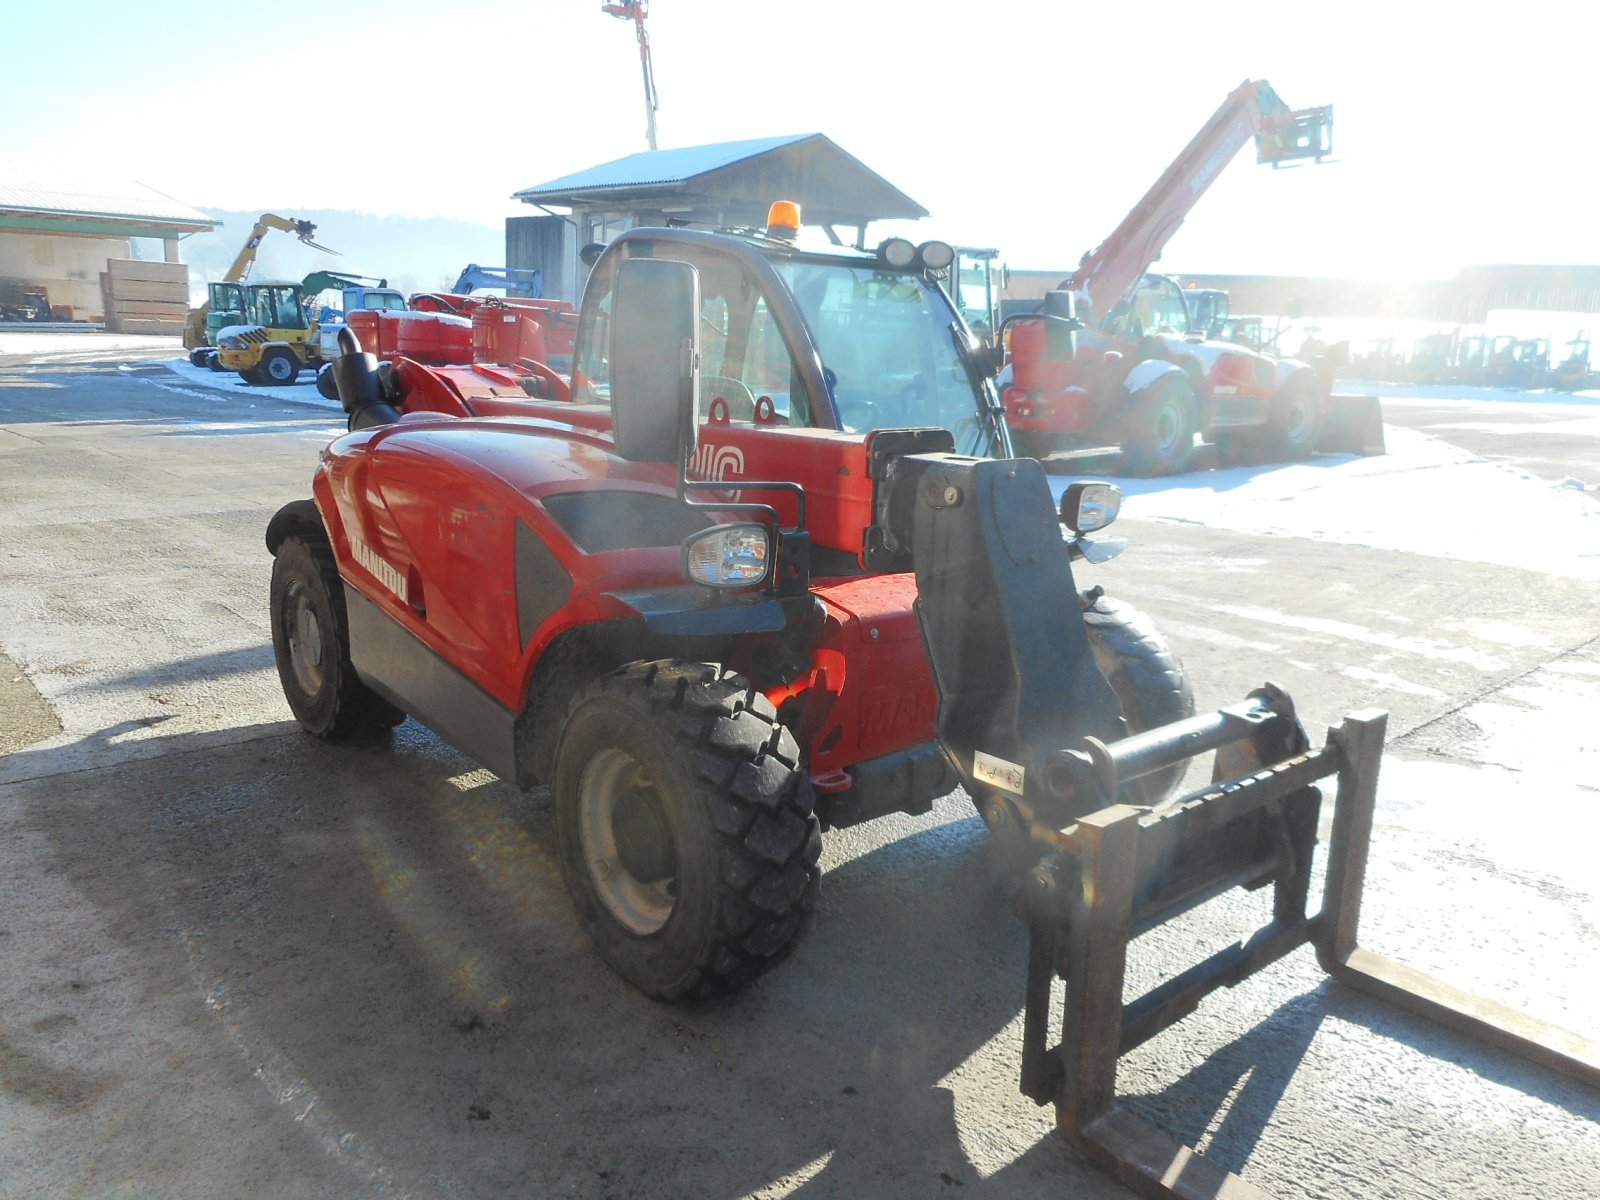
point(145, 297)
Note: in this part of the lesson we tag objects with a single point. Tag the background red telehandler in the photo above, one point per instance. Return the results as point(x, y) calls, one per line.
point(1147, 375)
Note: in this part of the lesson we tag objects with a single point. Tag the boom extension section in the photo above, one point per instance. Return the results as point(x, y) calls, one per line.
point(1028, 734)
point(1253, 109)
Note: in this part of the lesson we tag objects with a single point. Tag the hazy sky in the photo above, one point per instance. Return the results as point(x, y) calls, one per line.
point(1464, 132)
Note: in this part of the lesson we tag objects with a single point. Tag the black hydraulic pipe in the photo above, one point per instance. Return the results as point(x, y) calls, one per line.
point(360, 385)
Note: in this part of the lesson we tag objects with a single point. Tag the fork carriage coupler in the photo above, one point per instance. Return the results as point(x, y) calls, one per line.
point(1034, 732)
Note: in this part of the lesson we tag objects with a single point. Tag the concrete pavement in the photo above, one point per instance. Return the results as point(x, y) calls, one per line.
point(243, 963)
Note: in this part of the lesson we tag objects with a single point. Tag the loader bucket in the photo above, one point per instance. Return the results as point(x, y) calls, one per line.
point(1352, 424)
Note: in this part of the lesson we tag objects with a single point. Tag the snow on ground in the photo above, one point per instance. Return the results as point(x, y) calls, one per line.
point(304, 389)
point(47, 346)
point(1424, 496)
point(1492, 396)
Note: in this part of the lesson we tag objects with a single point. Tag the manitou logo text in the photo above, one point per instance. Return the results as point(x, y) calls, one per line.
point(716, 462)
point(1219, 158)
point(383, 571)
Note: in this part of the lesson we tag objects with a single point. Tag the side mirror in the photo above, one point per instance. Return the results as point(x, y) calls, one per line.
point(1061, 325)
point(655, 360)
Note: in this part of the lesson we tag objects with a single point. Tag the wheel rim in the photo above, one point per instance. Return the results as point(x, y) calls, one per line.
point(278, 369)
point(1296, 420)
point(304, 630)
point(1167, 425)
point(627, 841)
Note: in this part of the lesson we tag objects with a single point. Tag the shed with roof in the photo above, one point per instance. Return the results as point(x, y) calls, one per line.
point(721, 186)
point(58, 234)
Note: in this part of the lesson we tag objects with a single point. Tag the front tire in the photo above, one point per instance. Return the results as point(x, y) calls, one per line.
point(277, 367)
point(1150, 684)
point(311, 642)
point(1158, 434)
point(1294, 420)
point(687, 828)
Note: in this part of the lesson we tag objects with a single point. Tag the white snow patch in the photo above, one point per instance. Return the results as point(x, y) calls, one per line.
point(1485, 397)
point(1587, 426)
point(1320, 629)
point(304, 391)
point(79, 343)
point(1424, 496)
point(1383, 682)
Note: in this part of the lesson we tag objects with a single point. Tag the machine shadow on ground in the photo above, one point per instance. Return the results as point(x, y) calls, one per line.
point(383, 929)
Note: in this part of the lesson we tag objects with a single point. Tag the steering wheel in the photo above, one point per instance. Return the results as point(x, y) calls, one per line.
point(855, 416)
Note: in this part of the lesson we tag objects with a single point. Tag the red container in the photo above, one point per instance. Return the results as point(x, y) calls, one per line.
point(433, 338)
point(504, 335)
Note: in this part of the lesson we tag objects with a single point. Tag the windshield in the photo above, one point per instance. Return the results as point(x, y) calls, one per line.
point(888, 349)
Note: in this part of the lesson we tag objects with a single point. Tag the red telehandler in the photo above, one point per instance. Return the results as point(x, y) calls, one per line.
point(729, 583)
point(1147, 376)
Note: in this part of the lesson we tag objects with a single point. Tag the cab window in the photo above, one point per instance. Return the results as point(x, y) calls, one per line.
point(1158, 307)
point(279, 308)
point(746, 370)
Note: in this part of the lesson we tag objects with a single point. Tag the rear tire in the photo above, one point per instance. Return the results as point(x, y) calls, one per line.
point(1158, 435)
point(687, 827)
point(1151, 686)
point(311, 642)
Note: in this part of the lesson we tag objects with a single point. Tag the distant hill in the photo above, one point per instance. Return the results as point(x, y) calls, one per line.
point(415, 254)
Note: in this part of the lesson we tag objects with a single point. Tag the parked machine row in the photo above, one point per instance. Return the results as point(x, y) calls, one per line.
point(1477, 360)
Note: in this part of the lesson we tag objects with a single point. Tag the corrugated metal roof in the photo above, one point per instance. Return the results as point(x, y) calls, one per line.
point(63, 195)
point(660, 166)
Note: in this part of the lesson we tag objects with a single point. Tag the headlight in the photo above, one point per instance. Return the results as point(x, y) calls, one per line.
point(230, 343)
point(728, 556)
point(936, 256)
point(896, 252)
point(1086, 507)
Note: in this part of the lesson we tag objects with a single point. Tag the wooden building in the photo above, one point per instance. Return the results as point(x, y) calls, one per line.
point(59, 234)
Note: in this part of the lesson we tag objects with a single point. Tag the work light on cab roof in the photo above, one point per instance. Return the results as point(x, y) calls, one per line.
point(936, 256)
point(783, 220)
point(900, 254)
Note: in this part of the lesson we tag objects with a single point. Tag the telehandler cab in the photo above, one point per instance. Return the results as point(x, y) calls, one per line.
point(732, 584)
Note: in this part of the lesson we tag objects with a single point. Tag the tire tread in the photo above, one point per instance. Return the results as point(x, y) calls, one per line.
point(763, 813)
